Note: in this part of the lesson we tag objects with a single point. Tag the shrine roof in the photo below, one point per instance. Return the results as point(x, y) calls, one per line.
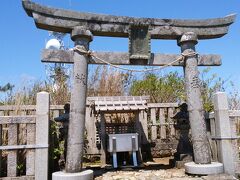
point(118, 103)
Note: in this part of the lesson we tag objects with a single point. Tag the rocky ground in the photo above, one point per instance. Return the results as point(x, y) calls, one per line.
point(177, 174)
point(159, 169)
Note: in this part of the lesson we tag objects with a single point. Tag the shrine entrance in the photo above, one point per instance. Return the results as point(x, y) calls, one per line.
point(140, 31)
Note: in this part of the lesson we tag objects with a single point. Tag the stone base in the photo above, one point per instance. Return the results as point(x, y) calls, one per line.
point(203, 169)
point(84, 175)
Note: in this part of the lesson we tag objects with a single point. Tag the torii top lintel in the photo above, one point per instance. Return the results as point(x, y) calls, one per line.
point(60, 20)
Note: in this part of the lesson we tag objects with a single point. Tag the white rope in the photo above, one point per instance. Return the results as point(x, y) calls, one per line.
point(90, 53)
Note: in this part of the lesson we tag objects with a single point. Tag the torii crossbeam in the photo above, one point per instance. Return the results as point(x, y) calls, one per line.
point(121, 58)
point(60, 20)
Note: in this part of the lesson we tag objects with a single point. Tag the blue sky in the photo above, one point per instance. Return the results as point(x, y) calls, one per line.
point(21, 42)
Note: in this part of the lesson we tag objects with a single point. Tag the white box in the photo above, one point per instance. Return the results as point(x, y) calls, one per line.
point(123, 142)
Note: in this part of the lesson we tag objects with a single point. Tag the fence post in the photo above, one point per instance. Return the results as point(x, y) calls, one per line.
point(1, 114)
point(223, 132)
point(30, 167)
point(12, 154)
point(143, 126)
point(42, 133)
point(163, 134)
point(153, 127)
point(170, 122)
point(103, 139)
point(213, 143)
point(91, 131)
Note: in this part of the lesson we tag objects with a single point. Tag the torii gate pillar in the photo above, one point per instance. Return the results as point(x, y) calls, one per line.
point(201, 148)
point(73, 169)
point(81, 37)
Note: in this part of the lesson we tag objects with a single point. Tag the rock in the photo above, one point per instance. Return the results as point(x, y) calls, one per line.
point(180, 173)
point(159, 172)
point(117, 177)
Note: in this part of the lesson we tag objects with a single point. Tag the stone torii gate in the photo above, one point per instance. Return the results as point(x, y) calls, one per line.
point(83, 26)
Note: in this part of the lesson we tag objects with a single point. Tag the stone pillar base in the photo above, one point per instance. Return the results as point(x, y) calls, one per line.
point(203, 169)
point(84, 175)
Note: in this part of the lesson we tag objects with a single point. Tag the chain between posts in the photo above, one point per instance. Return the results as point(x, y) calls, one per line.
point(90, 53)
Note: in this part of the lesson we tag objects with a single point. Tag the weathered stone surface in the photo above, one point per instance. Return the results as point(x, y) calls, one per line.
point(42, 128)
point(139, 44)
point(78, 106)
point(118, 26)
point(121, 58)
point(164, 148)
point(187, 38)
point(80, 32)
point(228, 154)
point(83, 175)
point(204, 169)
point(201, 146)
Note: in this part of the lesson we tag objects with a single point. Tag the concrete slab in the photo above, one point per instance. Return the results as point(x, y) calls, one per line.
point(203, 169)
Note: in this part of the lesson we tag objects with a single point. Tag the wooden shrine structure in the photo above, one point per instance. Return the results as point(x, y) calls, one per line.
point(103, 108)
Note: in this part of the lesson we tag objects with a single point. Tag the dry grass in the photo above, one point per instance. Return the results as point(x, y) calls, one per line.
point(106, 81)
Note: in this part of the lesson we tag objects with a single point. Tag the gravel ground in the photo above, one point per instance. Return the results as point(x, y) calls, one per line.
point(177, 174)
